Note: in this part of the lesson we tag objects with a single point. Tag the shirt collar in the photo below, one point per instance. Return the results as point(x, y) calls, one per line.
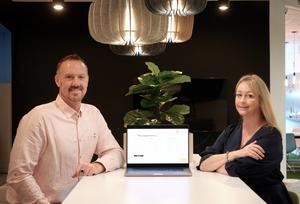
point(66, 109)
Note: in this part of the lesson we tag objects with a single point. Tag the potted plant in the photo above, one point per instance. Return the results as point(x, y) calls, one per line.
point(157, 90)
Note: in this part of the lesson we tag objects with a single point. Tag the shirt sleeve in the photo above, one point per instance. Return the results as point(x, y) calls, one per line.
point(109, 152)
point(217, 147)
point(270, 140)
point(28, 145)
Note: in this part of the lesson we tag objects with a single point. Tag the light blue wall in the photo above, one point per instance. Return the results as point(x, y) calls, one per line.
point(5, 98)
point(5, 55)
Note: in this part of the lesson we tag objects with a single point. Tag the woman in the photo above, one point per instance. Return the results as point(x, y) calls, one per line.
point(252, 148)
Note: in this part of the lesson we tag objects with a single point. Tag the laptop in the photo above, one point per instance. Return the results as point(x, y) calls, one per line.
point(158, 150)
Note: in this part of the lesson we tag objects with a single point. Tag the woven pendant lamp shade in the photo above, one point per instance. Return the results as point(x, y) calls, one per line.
point(143, 50)
point(180, 29)
point(176, 7)
point(125, 22)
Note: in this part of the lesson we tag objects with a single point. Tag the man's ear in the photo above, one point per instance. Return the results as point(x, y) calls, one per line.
point(57, 80)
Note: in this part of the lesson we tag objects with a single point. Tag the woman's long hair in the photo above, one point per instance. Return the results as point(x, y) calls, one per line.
point(258, 86)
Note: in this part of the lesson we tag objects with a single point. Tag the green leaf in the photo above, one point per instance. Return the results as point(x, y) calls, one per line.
point(173, 117)
point(151, 101)
point(165, 98)
point(164, 101)
point(148, 79)
point(166, 76)
point(175, 114)
point(179, 80)
point(138, 117)
point(148, 103)
point(169, 93)
point(180, 109)
point(153, 68)
point(151, 94)
point(139, 88)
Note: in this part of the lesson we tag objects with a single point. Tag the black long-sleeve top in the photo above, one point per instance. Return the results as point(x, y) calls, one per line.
point(262, 176)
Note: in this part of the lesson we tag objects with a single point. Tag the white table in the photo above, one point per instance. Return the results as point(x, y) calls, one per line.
point(202, 187)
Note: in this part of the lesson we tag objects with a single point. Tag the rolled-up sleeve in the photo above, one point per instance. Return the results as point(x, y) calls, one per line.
point(110, 153)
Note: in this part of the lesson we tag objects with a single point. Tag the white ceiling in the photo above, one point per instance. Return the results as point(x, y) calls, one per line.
point(292, 23)
point(292, 50)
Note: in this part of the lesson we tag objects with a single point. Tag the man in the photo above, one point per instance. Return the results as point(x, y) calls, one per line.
point(55, 142)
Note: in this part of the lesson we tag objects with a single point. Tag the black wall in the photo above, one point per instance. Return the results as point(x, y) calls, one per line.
point(222, 46)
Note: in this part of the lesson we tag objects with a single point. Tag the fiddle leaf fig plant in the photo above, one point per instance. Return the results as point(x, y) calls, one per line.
point(157, 90)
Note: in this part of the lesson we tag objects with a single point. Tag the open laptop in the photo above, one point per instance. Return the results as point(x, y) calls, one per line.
point(159, 150)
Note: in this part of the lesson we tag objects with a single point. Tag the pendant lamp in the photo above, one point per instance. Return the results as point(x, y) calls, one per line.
point(125, 22)
point(139, 50)
point(176, 7)
point(294, 79)
point(180, 29)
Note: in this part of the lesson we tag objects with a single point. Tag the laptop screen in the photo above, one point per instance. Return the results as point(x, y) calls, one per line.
point(157, 145)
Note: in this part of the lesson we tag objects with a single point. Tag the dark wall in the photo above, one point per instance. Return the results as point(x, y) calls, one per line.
point(222, 46)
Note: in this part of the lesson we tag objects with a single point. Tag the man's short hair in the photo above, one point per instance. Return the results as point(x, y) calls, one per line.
point(70, 57)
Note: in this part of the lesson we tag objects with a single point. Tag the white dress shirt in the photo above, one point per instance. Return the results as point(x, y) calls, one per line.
point(51, 141)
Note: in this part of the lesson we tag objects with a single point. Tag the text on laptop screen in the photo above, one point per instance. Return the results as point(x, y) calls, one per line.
point(157, 146)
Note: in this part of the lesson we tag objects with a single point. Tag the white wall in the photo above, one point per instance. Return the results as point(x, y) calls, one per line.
point(277, 66)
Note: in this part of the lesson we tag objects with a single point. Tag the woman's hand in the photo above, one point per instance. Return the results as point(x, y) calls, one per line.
point(252, 150)
point(222, 170)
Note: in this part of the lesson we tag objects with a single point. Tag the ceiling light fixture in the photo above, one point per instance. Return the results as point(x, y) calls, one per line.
point(125, 22)
point(223, 5)
point(176, 7)
point(294, 62)
point(139, 50)
point(58, 5)
point(180, 29)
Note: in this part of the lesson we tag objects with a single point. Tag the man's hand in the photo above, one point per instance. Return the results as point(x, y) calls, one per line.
point(89, 169)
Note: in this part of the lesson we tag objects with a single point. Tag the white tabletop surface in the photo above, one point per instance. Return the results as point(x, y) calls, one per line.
point(202, 187)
